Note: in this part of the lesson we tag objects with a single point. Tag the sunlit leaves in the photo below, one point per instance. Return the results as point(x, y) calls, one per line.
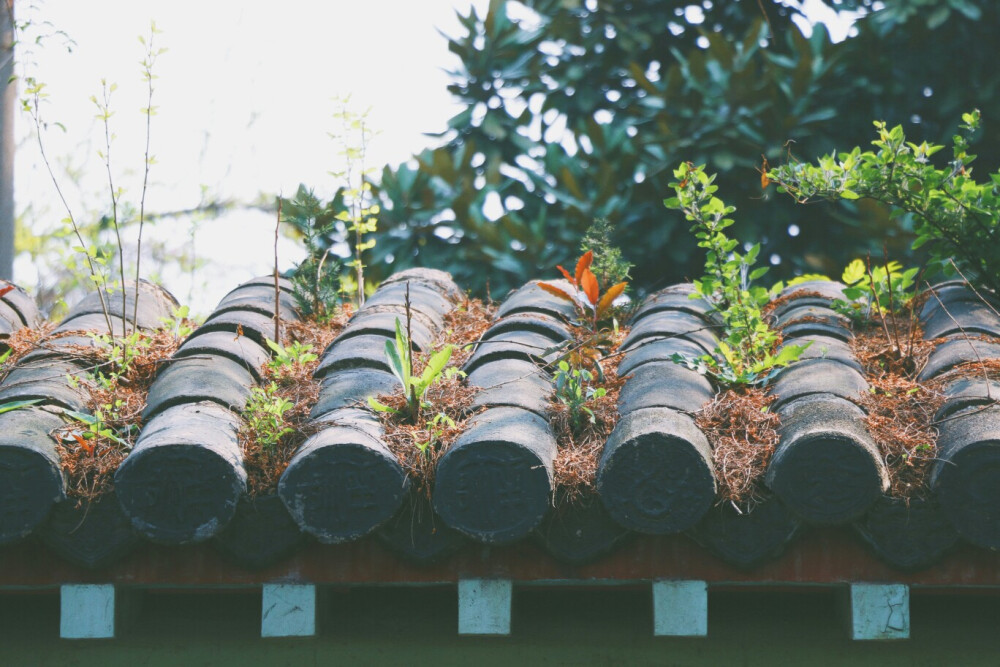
point(956, 217)
point(746, 350)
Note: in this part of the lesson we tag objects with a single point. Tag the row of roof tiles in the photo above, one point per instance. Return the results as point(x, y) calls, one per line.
point(184, 481)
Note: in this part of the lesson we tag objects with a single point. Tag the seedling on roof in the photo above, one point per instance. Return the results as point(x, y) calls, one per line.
point(592, 306)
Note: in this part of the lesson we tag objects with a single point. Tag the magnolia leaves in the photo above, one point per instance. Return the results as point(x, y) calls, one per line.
point(584, 280)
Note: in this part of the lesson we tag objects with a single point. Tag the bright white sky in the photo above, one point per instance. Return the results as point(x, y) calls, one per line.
point(245, 99)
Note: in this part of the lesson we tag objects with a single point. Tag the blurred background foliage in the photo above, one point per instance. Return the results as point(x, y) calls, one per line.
point(580, 109)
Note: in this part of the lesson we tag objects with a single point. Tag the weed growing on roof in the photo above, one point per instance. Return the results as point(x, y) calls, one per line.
point(446, 404)
point(954, 215)
point(581, 440)
point(100, 259)
point(747, 353)
point(268, 446)
point(264, 414)
point(295, 354)
point(884, 296)
point(399, 354)
point(593, 308)
point(178, 323)
point(316, 280)
point(93, 443)
point(583, 409)
point(122, 353)
point(574, 388)
point(419, 444)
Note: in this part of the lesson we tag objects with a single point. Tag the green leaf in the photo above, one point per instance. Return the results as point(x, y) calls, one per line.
point(81, 417)
point(396, 364)
point(17, 405)
point(789, 354)
point(379, 407)
point(435, 365)
point(854, 272)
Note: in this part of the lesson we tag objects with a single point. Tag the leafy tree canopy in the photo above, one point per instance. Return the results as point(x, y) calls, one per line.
point(579, 109)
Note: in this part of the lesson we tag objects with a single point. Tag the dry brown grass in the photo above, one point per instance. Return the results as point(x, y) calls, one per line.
point(464, 326)
point(575, 467)
point(743, 433)
point(89, 463)
point(20, 343)
point(900, 410)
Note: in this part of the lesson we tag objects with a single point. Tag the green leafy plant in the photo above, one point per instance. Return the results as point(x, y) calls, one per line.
point(265, 414)
point(876, 292)
point(746, 353)
point(884, 295)
point(360, 213)
point(574, 388)
point(436, 426)
point(609, 266)
point(101, 257)
point(122, 353)
point(955, 216)
point(316, 280)
point(178, 323)
point(89, 430)
point(296, 354)
point(399, 354)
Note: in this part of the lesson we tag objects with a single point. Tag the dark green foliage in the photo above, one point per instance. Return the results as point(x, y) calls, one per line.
point(956, 218)
point(317, 278)
point(574, 388)
point(609, 266)
point(639, 94)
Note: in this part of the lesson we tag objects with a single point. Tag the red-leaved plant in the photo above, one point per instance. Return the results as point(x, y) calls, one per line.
point(590, 304)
